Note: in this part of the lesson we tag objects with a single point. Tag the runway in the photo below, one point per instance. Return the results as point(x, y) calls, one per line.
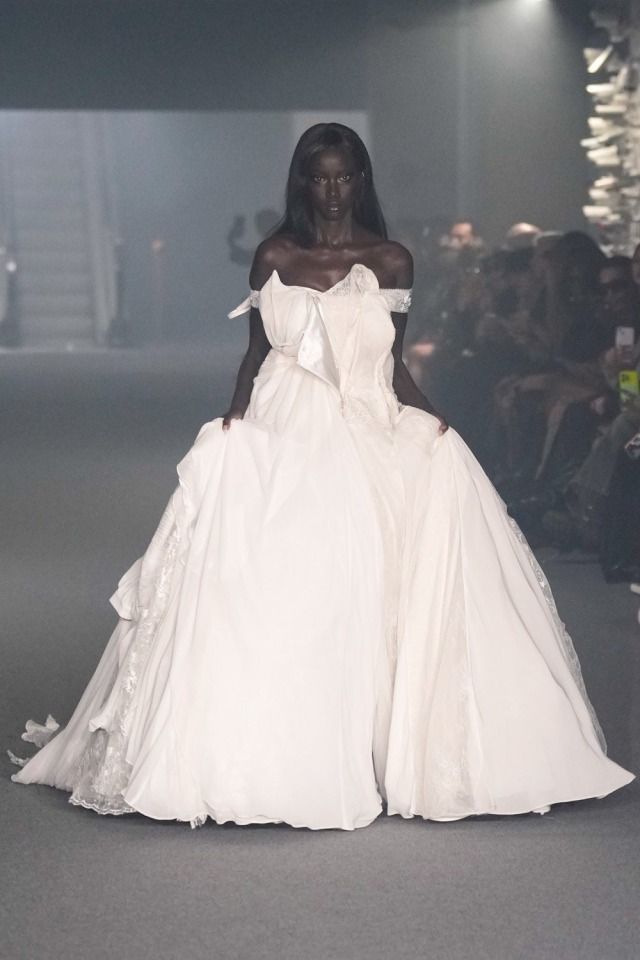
point(89, 445)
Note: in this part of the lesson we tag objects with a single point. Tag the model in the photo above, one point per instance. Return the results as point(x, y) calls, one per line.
point(336, 611)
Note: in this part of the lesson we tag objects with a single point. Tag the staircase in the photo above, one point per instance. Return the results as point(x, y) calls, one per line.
point(54, 186)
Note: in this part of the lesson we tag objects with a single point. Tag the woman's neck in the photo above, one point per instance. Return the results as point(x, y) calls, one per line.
point(334, 234)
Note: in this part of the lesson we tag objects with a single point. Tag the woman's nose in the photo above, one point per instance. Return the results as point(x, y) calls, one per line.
point(332, 190)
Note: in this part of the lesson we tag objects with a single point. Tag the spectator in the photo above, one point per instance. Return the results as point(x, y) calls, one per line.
point(621, 294)
point(597, 513)
point(452, 271)
point(572, 337)
point(521, 236)
point(462, 237)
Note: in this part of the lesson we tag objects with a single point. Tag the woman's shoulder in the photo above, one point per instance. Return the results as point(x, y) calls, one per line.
point(391, 261)
point(274, 253)
point(395, 266)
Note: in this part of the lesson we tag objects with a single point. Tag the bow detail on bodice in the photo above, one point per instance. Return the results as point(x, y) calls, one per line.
point(310, 344)
point(310, 325)
point(314, 351)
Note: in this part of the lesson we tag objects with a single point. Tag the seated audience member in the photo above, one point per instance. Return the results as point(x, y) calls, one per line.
point(592, 496)
point(619, 545)
point(462, 237)
point(571, 336)
point(521, 236)
point(451, 262)
point(573, 298)
point(620, 308)
point(512, 322)
point(493, 338)
point(620, 292)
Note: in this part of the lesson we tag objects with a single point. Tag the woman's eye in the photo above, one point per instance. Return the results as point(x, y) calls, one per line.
point(317, 178)
point(345, 178)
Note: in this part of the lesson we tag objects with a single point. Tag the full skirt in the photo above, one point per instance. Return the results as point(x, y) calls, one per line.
point(325, 620)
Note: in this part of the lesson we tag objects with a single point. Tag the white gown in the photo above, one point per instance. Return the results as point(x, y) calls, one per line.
point(334, 610)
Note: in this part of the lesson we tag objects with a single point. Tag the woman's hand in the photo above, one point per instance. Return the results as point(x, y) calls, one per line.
point(235, 413)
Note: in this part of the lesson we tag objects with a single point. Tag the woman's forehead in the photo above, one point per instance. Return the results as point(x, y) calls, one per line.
point(332, 158)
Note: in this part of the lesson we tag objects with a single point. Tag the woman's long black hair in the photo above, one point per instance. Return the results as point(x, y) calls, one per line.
point(298, 217)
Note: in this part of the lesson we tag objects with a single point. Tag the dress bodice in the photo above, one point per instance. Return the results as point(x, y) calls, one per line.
point(397, 299)
point(342, 335)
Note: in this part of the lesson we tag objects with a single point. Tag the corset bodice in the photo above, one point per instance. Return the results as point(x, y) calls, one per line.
point(342, 335)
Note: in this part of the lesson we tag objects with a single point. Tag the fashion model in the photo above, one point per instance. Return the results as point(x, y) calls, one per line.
point(336, 615)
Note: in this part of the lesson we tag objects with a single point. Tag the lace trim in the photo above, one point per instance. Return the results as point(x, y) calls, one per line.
point(103, 772)
point(565, 640)
point(398, 301)
point(104, 809)
point(121, 809)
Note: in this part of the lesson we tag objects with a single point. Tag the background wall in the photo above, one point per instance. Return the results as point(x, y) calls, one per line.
point(198, 191)
point(183, 54)
point(478, 110)
point(185, 180)
point(470, 108)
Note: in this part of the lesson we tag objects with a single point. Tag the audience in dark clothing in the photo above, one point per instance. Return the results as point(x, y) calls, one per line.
point(533, 353)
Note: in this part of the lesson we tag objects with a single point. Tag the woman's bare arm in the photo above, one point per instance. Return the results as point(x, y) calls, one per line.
point(253, 359)
point(404, 385)
point(259, 346)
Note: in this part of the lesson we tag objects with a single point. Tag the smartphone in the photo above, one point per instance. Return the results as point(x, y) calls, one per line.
point(625, 337)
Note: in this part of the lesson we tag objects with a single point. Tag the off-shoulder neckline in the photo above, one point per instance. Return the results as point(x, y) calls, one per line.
point(375, 288)
point(300, 286)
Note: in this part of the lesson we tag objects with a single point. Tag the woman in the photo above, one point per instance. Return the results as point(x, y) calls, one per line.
point(530, 409)
point(335, 608)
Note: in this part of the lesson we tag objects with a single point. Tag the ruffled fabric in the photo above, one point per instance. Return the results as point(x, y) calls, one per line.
point(334, 610)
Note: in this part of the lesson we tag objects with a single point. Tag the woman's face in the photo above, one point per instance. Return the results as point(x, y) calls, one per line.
point(334, 182)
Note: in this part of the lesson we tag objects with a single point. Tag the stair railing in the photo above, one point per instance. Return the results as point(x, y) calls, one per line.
point(10, 335)
point(118, 334)
point(105, 246)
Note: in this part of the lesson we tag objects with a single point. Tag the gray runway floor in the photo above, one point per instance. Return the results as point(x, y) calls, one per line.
point(88, 452)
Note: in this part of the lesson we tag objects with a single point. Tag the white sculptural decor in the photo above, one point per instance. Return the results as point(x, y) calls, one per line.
point(614, 142)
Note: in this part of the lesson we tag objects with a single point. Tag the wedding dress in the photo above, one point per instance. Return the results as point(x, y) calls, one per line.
point(335, 609)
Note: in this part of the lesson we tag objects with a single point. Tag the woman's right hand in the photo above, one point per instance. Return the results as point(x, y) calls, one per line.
point(235, 413)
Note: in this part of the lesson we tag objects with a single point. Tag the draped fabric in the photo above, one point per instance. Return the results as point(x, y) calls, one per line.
point(335, 610)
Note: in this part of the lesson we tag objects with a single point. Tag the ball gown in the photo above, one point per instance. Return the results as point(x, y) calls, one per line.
point(335, 611)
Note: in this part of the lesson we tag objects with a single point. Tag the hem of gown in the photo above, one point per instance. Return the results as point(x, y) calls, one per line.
point(220, 819)
point(199, 820)
point(541, 808)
